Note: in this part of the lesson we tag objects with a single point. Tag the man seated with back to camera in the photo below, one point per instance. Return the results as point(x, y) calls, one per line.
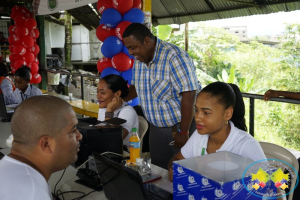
point(46, 140)
point(111, 91)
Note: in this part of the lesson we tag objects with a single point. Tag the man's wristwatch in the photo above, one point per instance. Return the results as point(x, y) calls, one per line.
point(109, 114)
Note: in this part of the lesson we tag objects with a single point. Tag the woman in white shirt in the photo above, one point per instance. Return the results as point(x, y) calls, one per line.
point(220, 123)
point(24, 89)
point(111, 91)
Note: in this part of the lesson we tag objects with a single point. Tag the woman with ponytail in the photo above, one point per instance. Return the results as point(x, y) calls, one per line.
point(220, 120)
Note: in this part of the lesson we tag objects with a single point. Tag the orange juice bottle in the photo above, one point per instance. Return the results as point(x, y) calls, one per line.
point(134, 145)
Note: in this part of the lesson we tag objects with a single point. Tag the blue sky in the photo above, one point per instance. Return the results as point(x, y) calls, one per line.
point(259, 25)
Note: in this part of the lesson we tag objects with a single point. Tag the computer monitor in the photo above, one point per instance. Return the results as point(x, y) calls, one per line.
point(99, 139)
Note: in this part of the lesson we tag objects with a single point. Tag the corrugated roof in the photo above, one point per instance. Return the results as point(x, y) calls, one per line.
point(182, 11)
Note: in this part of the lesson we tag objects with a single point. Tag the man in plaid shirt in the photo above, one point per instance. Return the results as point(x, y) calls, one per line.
point(165, 81)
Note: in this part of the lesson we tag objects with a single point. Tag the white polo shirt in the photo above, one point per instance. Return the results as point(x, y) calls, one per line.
point(238, 142)
point(124, 112)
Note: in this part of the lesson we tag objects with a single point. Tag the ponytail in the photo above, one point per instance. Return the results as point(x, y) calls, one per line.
point(229, 95)
point(238, 116)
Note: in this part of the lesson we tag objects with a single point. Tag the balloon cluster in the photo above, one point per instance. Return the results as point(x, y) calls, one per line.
point(116, 16)
point(22, 42)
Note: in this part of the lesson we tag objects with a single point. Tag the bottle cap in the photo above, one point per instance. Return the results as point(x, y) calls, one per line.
point(134, 130)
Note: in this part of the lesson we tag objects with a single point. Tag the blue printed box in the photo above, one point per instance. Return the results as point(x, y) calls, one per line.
point(217, 176)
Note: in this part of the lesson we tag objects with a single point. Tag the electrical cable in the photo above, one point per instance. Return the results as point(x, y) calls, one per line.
point(58, 181)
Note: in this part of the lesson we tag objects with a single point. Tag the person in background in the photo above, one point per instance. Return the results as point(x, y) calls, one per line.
point(111, 91)
point(6, 85)
point(24, 89)
point(220, 119)
point(277, 93)
point(46, 140)
point(164, 79)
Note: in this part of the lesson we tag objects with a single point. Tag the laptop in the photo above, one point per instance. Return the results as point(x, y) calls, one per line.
point(122, 183)
point(6, 111)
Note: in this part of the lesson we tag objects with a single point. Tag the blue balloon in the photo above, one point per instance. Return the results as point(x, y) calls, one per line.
point(108, 71)
point(111, 17)
point(111, 46)
point(125, 50)
point(127, 75)
point(133, 102)
point(134, 15)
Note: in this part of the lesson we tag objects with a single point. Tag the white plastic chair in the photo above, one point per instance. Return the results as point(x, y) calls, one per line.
point(143, 127)
point(277, 152)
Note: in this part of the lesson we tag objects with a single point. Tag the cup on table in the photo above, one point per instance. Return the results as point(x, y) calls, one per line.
point(71, 96)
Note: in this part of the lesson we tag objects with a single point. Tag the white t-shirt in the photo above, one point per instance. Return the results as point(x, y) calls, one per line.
point(124, 112)
point(20, 181)
point(238, 142)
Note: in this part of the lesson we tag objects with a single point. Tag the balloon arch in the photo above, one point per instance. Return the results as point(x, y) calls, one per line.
point(116, 15)
point(22, 42)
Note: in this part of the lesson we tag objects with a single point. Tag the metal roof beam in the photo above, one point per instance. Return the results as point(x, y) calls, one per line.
point(209, 4)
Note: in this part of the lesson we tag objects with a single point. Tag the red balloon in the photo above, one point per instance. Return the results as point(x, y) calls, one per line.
point(13, 57)
point(34, 33)
point(37, 61)
point(104, 4)
point(19, 49)
point(29, 57)
point(11, 48)
point(35, 49)
point(19, 63)
point(20, 20)
point(24, 10)
point(121, 28)
point(22, 31)
point(13, 15)
point(16, 9)
point(13, 39)
point(27, 41)
point(34, 68)
point(103, 63)
point(36, 78)
point(28, 15)
point(137, 4)
point(13, 70)
point(123, 6)
point(121, 62)
point(12, 29)
point(132, 62)
point(104, 32)
point(30, 24)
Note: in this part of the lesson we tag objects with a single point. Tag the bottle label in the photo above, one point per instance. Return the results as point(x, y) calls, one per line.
point(134, 145)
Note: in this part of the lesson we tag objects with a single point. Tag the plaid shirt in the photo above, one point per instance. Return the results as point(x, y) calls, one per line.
point(159, 85)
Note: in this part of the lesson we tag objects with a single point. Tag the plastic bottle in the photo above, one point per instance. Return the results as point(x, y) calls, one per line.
point(134, 145)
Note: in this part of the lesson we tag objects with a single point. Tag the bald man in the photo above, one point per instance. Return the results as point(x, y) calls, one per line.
point(46, 140)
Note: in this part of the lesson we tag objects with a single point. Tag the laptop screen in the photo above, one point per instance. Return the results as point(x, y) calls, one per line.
point(118, 181)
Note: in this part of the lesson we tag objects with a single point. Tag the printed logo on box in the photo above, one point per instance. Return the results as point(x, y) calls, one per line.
point(191, 197)
point(266, 183)
point(180, 188)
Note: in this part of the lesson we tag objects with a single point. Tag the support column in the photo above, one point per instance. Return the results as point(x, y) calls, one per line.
point(42, 55)
point(148, 14)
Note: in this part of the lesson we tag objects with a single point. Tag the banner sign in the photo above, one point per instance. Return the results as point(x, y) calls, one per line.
point(46, 7)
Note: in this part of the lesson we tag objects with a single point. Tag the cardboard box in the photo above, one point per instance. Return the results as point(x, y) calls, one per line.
point(217, 176)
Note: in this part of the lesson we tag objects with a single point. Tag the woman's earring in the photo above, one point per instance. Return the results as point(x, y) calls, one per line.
point(226, 122)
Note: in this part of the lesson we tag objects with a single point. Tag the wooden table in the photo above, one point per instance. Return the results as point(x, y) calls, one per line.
point(80, 106)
